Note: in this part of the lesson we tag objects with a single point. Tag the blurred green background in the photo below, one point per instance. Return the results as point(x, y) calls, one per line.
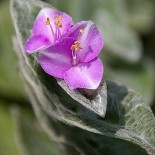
point(128, 28)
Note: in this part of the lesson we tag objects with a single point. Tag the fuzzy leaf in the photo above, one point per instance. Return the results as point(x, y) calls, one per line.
point(128, 123)
point(139, 76)
point(76, 141)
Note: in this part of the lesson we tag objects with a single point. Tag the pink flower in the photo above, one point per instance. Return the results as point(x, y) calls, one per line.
point(75, 57)
point(49, 27)
point(66, 52)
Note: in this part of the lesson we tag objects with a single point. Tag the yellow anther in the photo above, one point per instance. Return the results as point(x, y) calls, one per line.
point(58, 20)
point(73, 47)
point(47, 21)
point(77, 43)
point(76, 46)
point(58, 17)
point(81, 31)
point(58, 23)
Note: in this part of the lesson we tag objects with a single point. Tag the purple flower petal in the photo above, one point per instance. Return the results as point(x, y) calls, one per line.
point(48, 31)
point(85, 75)
point(36, 43)
point(40, 26)
point(57, 59)
point(90, 40)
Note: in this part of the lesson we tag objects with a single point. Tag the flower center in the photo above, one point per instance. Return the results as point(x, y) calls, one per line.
point(58, 25)
point(75, 48)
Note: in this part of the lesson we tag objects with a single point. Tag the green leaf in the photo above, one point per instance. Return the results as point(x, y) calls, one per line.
point(141, 15)
point(120, 40)
point(10, 83)
point(31, 137)
point(139, 76)
point(128, 123)
point(7, 138)
point(128, 117)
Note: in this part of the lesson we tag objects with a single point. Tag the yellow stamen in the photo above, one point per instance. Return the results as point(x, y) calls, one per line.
point(77, 43)
point(58, 20)
point(58, 23)
point(81, 31)
point(76, 46)
point(60, 17)
point(47, 21)
point(56, 16)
